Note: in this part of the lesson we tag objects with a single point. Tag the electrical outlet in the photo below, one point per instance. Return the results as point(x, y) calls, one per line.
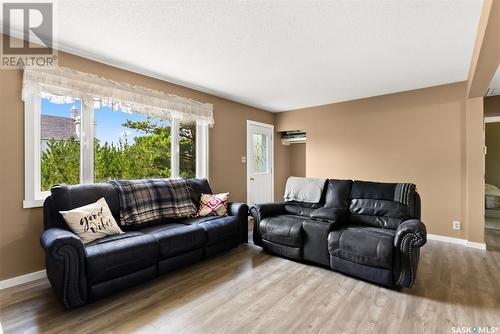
point(456, 225)
point(243, 159)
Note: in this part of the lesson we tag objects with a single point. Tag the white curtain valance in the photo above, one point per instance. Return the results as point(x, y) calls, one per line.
point(62, 85)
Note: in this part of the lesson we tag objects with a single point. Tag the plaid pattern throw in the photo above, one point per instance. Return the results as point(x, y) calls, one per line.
point(403, 192)
point(397, 192)
point(148, 200)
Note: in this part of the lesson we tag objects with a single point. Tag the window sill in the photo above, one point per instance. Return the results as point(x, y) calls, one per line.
point(33, 203)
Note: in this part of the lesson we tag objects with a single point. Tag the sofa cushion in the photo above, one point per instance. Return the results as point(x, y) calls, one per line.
point(337, 194)
point(297, 209)
point(364, 245)
point(378, 213)
point(174, 239)
point(217, 229)
point(283, 229)
point(120, 254)
point(197, 187)
point(64, 198)
point(384, 205)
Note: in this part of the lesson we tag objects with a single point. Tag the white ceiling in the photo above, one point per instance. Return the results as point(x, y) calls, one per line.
point(279, 55)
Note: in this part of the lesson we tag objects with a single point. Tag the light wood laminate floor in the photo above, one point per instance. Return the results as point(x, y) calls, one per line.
point(249, 291)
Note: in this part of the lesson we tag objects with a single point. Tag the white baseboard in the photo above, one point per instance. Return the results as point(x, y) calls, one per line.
point(22, 279)
point(458, 241)
point(476, 245)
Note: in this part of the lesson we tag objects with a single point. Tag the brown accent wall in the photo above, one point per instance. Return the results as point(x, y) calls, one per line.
point(416, 136)
point(492, 170)
point(492, 106)
point(20, 229)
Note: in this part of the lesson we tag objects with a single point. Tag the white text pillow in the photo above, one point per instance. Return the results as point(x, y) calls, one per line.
point(92, 221)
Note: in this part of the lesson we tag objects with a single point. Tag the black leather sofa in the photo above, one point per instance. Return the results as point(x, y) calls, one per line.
point(82, 273)
point(374, 239)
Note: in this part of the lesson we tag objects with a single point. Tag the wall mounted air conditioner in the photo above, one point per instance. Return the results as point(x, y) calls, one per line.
point(293, 137)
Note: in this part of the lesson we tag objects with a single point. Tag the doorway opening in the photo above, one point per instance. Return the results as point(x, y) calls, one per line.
point(492, 184)
point(260, 162)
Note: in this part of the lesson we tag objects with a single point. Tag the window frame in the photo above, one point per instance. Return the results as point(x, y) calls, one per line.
point(34, 197)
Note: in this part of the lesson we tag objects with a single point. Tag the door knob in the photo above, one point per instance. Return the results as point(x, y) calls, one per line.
point(251, 179)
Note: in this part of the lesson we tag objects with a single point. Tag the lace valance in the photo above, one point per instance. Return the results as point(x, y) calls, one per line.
point(61, 85)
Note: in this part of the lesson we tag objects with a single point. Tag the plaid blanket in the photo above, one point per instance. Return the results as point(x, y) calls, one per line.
point(397, 192)
point(148, 200)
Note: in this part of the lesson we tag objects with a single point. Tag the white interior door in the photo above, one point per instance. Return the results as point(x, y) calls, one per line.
point(260, 166)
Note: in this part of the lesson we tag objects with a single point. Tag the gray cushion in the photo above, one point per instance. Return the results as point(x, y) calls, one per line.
point(283, 229)
point(218, 229)
point(364, 245)
point(119, 254)
point(174, 239)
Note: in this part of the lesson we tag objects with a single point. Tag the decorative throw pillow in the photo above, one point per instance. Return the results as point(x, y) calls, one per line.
point(213, 205)
point(92, 221)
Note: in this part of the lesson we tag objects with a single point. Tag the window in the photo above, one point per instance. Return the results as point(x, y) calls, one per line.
point(187, 150)
point(131, 146)
point(59, 143)
point(82, 128)
point(259, 144)
point(77, 143)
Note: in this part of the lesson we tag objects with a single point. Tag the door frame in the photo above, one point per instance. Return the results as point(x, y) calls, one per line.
point(271, 127)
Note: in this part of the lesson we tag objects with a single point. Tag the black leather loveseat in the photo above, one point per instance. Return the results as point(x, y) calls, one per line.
point(82, 273)
point(354, 229)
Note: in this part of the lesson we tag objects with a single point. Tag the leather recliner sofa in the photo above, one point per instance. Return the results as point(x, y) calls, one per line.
point(371, 238)
point(80, 273)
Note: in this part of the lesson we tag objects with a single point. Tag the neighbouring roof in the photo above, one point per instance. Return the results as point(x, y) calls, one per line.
point(57, 127)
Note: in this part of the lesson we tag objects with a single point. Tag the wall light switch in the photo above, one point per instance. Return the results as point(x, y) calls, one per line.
point(456, 225)
point(243, 159)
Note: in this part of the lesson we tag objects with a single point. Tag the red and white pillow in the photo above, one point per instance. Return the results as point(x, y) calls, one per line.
point(213, 205)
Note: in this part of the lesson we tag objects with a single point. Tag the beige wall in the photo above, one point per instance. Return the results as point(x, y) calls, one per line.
point(298, 160)
point(474, 170)
point(492, 170)
point(281, 167)
point(20, 229)
point(416, 136)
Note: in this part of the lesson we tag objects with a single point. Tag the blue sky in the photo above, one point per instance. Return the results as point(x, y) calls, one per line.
point(108, 123)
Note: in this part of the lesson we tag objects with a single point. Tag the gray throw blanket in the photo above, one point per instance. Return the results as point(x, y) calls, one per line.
point(149, 200)
point(304, 189)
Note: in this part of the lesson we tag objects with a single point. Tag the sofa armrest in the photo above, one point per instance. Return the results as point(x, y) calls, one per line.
point(410, 236)
point(65, 265)
point(316, 240)
point(411, 229)
point(328, 214)
point(240, 210)
point(261, 211)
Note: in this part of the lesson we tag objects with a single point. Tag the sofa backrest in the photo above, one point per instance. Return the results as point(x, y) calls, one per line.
point(337, 194)
point(65, 198)
point(303, 208)
point(197, 187)
point(374, 204)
